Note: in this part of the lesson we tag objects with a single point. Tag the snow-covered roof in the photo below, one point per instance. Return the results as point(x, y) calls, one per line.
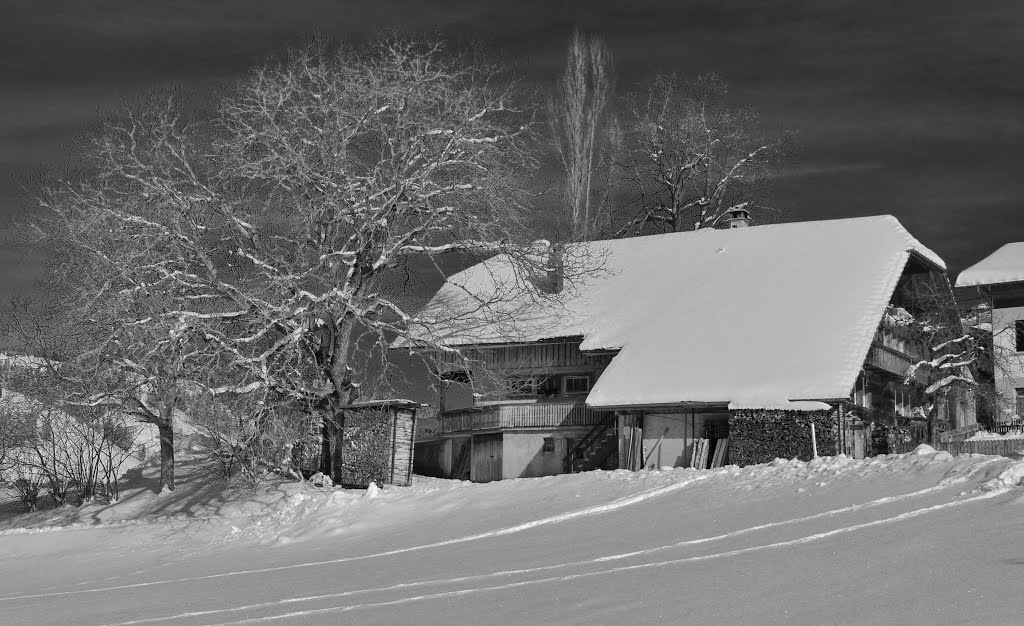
point(763, 314)
point(1005, 265)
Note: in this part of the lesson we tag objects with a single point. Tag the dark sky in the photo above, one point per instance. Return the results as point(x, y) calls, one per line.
point(914, 108)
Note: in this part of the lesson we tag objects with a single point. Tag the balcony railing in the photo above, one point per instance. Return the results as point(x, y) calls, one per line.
point(521, 415)
point(893, 352)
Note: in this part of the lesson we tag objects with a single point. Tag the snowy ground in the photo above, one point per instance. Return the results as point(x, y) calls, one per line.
point(917, 538)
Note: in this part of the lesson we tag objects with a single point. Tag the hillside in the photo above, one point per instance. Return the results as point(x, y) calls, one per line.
point(830, 541)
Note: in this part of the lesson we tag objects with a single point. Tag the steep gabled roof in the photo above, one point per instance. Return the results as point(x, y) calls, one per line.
point(750, 315)
point(1005, 265)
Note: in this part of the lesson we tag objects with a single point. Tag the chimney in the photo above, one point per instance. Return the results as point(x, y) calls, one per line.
point(556, 269)
point(737, 217)
point(552, 280)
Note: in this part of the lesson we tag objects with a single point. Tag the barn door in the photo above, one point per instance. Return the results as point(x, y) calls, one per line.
point(486, 458)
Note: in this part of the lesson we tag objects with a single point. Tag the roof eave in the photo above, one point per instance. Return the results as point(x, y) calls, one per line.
point(658, 405)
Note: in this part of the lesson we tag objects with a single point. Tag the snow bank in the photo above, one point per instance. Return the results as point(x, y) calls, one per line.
point(284, 511)
point(1012, 476)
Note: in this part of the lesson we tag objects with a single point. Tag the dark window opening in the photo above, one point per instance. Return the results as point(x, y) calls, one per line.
point(549, 445)
point(1020, 401)
point(456, 390)
point(520, 387)
point(548, 386)
point(576, 384)
point(1019, 328)
point(456, 376)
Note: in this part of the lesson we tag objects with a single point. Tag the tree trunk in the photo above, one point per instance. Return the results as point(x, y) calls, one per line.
point(333, 430)
point(344, 393)
point(166, 431)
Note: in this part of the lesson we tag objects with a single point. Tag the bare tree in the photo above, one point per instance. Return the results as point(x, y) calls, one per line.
point(129, 235)
point(348, 167)
point(691, 158)
point(75, 451)
point(952, 373)
point(264, 250)
point(585, 134)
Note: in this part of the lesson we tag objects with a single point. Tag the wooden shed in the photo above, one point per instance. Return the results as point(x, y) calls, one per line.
point(377, 439)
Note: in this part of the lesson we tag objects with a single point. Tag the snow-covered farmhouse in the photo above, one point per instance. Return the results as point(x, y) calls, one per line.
point(1000, 278)
point(681, 349)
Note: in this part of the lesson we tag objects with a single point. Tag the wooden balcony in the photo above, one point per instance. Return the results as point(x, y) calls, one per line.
point(894, 352)
point(521, 415)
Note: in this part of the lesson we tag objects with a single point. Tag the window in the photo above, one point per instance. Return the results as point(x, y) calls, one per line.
point(521, 386)
point(1020, 401)
point(549, 445)
point(548, 386)
point(1018, 326)
point(575, 384)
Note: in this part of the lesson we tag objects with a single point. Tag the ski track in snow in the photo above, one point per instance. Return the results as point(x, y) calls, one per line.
point(945, 484)
point(614, 570)
point(593, 510)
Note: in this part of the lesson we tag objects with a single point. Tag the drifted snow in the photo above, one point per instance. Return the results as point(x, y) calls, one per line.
point(770, 313)
point(804, 542)
point(1005, 265)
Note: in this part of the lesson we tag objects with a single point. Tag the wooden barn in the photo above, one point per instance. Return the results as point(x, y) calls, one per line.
point(683, 349)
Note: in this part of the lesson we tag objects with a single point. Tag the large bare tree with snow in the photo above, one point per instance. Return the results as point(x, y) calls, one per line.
point(691, 158)
point(585, 134)
point(346, 168)
point(265, 249)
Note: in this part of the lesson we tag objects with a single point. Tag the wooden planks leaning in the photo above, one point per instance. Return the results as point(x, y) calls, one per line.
point(721, 452)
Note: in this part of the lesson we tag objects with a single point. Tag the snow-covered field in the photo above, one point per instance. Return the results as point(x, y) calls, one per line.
point(917, 538)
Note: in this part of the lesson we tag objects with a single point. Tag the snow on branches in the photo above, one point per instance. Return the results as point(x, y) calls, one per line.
point(691, 159)
point(269, 247)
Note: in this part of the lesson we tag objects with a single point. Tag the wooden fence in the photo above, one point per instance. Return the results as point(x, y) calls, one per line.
point(1003, 447)
point(1006, 429)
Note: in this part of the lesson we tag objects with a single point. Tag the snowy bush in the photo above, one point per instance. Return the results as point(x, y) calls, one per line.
point(28, 488)
point(246, 437)
point(75, 453)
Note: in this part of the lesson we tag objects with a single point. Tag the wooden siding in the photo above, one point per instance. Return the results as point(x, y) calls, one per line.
point(525, 415)
point(403, 442)
point(1004, 447)
point(546, 356)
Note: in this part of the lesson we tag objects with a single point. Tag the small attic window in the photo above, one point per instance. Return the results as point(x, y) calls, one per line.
point(1018, 327)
